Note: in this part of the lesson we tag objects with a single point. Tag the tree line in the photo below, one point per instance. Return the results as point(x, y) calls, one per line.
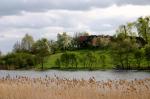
point(129, 49)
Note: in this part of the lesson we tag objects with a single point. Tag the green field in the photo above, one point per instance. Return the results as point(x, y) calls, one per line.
point(50, 61)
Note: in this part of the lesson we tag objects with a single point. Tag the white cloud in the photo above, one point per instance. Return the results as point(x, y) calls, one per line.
point(49, 23)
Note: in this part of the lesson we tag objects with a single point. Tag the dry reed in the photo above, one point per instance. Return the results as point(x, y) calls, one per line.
point(57, 88)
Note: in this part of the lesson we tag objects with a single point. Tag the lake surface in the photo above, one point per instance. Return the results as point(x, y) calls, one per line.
point(99, 75)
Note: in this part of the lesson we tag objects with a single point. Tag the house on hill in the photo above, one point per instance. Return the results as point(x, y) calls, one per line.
point(103, 41)
point(94, 40)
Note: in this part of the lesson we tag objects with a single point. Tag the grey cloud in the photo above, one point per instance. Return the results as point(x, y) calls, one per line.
point(17, 6)
point(134, 2)
point(9, 7)
point(65, 20)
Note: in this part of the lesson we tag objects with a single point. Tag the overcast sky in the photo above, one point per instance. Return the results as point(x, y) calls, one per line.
point(46, 18)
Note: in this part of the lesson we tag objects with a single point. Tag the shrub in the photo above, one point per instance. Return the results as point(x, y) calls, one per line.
point(19, 60)
point(68, 59)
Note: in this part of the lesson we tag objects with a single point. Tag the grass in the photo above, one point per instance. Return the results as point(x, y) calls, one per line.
point(109, 62)
point(50, 63)
point(56, 88)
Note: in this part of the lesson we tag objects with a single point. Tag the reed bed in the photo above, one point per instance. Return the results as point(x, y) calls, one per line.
point(62, 88)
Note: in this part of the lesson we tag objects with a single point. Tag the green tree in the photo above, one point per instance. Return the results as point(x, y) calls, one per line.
point(143, 27)
point(41, 49)
point(138, 55)
point(90, 59)
point(122, 52)
point(73, 60)
point(69, 59)
point(124, 45)
point(147, 54)
point(9, 60)
point(53, 46)
point(19, 60)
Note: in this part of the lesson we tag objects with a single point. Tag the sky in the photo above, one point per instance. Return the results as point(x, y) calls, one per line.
point(46, 18)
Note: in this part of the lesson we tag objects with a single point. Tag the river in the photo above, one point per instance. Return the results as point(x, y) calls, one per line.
point(98, 75)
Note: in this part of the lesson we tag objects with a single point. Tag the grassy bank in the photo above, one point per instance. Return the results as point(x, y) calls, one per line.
point(50, 62)
point(107, 63)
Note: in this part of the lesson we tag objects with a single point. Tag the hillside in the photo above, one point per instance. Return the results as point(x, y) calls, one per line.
point(50, 63)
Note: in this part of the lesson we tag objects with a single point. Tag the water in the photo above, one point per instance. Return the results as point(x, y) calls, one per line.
point(99, 75)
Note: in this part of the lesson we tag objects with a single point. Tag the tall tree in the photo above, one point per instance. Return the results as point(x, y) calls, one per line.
point(17, 47)
point(122, 51)
point(41, 49)
point(147, 54)
point(53, 46)
point(124, 31)
point(123, 47)
point(143, 27)
point(27, 42)
point(64, 41)
point(25, 45)
point(139, 55)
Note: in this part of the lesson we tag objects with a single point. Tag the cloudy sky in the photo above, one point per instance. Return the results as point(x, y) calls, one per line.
point(46, 18)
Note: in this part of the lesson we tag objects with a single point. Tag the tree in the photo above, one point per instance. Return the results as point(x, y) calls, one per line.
point(17, 47)
point(138, 55)
point(143, 27)
point(147, 54)
point(124, 45)
point(76, 42)
point(19, 60)
point(27, 42)
point(25, 45)
point(64, 41)
point(118, 54)
point(41, 49)
point(68, 59)
point(89, 59)
point(73, 60)
point(53, 45)
point(125, 31)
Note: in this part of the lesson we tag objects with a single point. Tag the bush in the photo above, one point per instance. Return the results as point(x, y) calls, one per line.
point(67, 59)
point(19, 60)
point(89, 59)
